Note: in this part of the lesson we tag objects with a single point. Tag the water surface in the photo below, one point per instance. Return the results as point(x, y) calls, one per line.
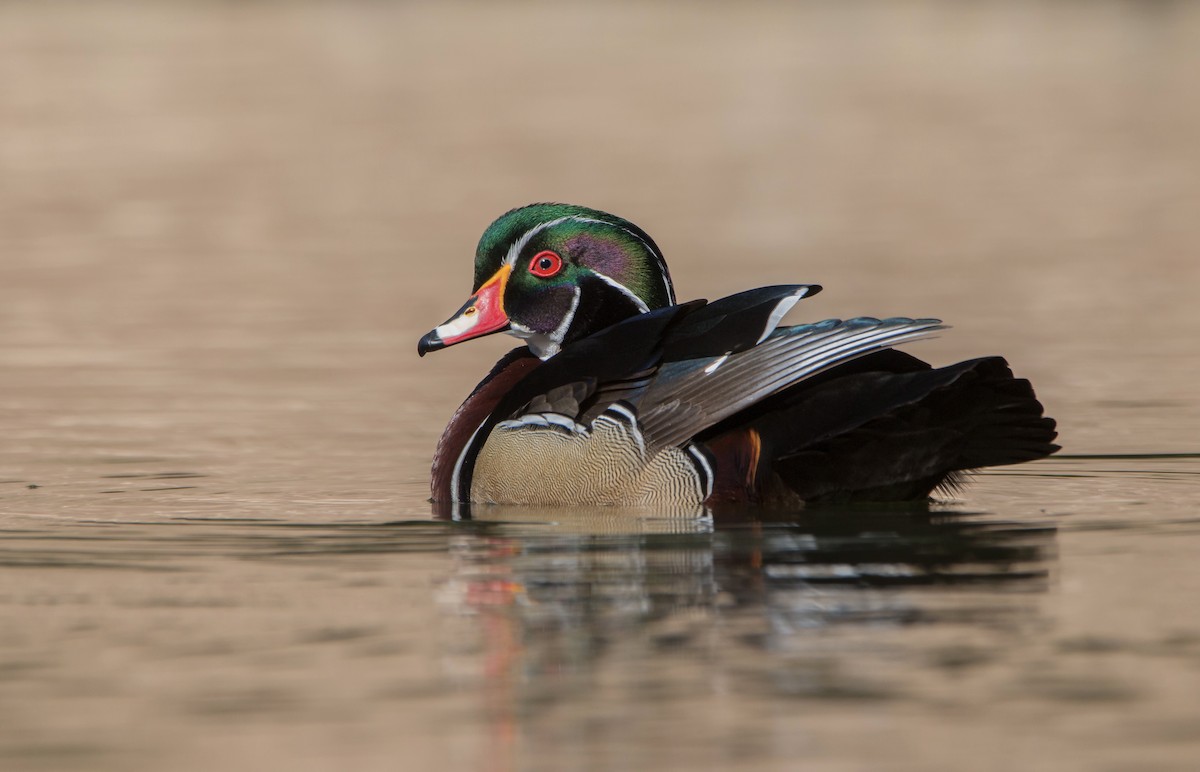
point(223, 228)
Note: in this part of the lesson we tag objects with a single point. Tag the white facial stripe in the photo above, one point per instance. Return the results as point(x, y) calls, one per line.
point(649, 248)
point(515, 250)
point(519, 245)
point(624, 290)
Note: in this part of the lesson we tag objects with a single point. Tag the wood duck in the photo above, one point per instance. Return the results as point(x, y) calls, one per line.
point(623, 397)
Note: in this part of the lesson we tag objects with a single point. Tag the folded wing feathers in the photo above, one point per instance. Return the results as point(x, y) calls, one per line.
point(685, 397)
point(564, 400)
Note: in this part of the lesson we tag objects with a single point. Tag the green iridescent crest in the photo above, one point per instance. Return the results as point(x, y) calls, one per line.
point(589, 241)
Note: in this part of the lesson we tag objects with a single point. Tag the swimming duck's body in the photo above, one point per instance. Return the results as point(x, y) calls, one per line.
point(623, 397)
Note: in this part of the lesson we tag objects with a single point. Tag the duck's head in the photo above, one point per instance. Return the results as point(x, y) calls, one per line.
point(554, 273)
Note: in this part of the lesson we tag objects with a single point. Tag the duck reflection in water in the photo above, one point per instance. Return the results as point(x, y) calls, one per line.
point(605, 609)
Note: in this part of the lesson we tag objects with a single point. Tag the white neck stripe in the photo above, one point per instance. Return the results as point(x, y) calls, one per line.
point(560, 331)
point(641, 304)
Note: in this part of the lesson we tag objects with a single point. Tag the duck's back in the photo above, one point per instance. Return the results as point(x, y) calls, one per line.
point(684, 406)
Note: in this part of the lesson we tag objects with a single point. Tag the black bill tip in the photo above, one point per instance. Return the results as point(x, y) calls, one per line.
point(430, 342)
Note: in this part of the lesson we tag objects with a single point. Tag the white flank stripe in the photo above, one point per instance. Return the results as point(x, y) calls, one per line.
point(708, 472)
point(558, 419)
point(543, 420)
point(634, 429)
point(617, 407)
point(459, 464)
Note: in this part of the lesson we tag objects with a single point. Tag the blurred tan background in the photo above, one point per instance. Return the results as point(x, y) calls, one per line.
point(223, 226)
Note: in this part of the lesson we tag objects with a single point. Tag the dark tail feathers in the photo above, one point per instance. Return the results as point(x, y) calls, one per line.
point(889, 428)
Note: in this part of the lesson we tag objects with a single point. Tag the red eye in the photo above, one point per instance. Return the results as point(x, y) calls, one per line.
point(545, 264)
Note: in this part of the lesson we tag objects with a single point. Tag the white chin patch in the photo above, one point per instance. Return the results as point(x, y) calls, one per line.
point(541, 344)
point(545, 345)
